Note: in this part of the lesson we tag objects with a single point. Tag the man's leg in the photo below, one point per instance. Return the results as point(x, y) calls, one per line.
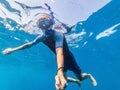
point(84, 76)
point(70, 79)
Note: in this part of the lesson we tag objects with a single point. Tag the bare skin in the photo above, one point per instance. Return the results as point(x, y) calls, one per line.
point(61, 81)
point(69, 79)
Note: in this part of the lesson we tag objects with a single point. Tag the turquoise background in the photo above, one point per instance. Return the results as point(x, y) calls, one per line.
point(35, 68)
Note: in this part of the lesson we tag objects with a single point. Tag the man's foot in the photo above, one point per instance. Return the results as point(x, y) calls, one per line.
point(92, 80)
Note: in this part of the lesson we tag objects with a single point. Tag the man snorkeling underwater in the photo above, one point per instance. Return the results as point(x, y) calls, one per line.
point(57, 43)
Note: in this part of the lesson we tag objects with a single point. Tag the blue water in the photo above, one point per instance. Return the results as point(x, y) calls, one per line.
point(35, 68)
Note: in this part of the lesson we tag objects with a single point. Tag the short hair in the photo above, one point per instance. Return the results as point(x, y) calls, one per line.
point(45, 16)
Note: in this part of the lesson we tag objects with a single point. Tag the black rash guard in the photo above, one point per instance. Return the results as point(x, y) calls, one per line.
point(58, 40)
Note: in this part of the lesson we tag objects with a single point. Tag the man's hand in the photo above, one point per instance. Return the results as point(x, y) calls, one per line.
point(61, 82)
point(7, 51)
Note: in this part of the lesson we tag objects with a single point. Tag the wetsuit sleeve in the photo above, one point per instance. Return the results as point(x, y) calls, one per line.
point(59, 37)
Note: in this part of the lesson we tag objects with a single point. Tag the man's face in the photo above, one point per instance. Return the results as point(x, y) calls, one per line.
point(45, 22)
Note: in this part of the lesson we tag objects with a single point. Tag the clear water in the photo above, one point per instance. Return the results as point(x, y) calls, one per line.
point(96, 49)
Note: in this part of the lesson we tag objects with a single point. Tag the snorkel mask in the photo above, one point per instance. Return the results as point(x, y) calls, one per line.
point(45, 23)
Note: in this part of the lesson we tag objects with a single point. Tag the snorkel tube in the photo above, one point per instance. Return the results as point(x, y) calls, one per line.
point(47, 32)
point(53, 18)
point(51, 12)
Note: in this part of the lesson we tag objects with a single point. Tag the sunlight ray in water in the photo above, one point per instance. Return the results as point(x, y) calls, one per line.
point(107, 32)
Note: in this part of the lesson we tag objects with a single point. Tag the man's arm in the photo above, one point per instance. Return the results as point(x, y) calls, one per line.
point(61, 82)
point(24, 46)
point(60, 58)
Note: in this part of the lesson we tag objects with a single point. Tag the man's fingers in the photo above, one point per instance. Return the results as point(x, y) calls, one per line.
point(7, 51)
point(63, 84)
point(57, 84)
point(60, 83)
point(57, 80)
